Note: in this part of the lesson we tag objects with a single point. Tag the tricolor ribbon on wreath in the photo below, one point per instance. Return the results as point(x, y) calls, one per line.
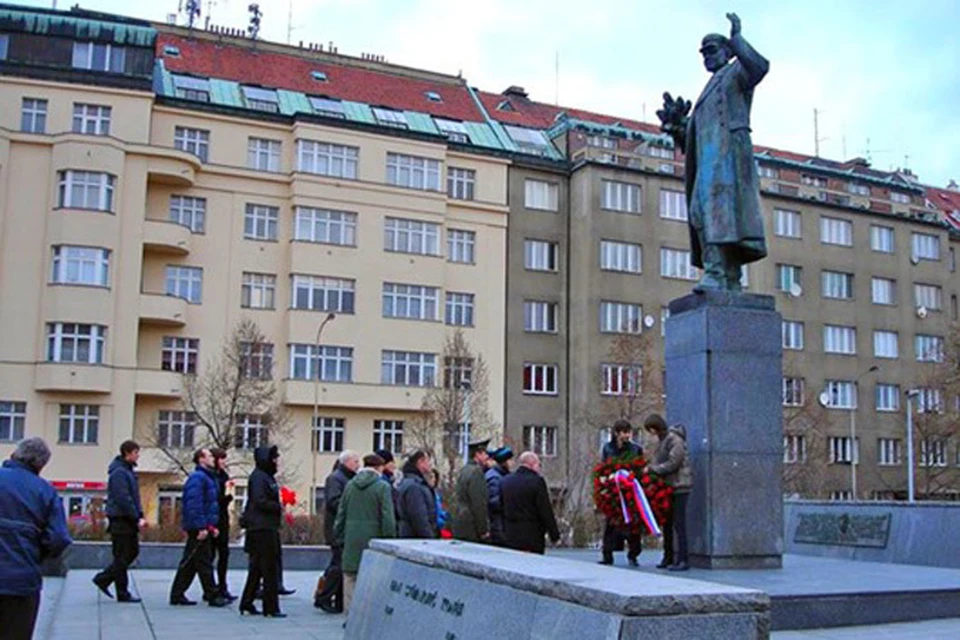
point(628, 488)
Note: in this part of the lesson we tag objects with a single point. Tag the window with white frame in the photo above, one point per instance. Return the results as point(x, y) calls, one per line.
point(256, 360)
point(33, 115)
point(325, 226)
point(461, 246)
point(858, 189)
point(886, 344)
point(79, 423)
point(457, 372)
point(675, 263)
point(841, 394)
point(261, 99)
point(184, 282)
point(460, 183)
point(933, 452)
point(766, 171)
point(541, 195)
point(195, 141)
point(319, 293)
point(73, 342)
point(455, 130)
point(328, 434)
point(883, 291)
point(191, 88)
point(258, 290)
point(86, 190)
point(408, 368)
point(175, 429)
point(881, 238)
point(620, 379)
point(813, 181)
point(390, 118)
point(388, 434)
point(899, 198)
point(888, 452)
point(330, 363)
point(189, 212)
point(839, 339)
point(540, 255)
point(413, 172)
point(462, 444)
point(792, 334)
point(794, 449)
point(837, 285)
point(788, 276)
point(327, 107)
point(80, 265)
point(263, 155)
point(260, 222)
point(179, 354)
point(540, 379)
point(844, 450)
point(325, 159)
point(13, 420)
point(250, 432)
point(620, 256)
point(540, 439)
point(411, 236)
point(786, 223)
point(459, 311)
point(929, 296)
point(620, 196)
point(836, 231)
point(620, 317)
point(929, 348)
point(414, 302)
point(793, 391)
point(673, 205)
point(929, 400)
point(99, 57)
point(887, 397)
point(539, 316)
point(925, 246)
point(91, 119)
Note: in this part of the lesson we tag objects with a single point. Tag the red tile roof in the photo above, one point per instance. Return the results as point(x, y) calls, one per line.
point(228, 61)
point(948, 202)
point(538, 115)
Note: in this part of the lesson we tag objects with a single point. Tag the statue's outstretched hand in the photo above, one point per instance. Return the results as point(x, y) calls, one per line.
point(734, 25)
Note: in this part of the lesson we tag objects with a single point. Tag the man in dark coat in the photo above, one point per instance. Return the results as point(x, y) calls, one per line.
point(261, 519)
point(221, 545)
point(418, 502)
point(528, 514)
point(126, 521)
point(389, 476)
point(199, 519)
point(330, 598)
point(499, 469)
point(471, 522)
point(32, 528)
point(620, 447)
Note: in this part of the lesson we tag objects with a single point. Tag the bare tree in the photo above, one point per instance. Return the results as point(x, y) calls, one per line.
point(805, 439)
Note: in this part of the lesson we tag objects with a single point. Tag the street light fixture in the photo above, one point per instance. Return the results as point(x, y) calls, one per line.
point(316, 414)
point(911, 394)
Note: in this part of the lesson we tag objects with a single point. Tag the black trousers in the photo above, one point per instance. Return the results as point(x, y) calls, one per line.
point(613, 539)
point(679, 528)
point(264, 550)
point(221, 551)
point(126, 548)
point(333, 585)
point(18, 616)
point(197, 561)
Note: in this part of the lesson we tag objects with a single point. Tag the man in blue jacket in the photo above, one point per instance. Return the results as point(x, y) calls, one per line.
point(200, 517)
point(32, 528)
point(126, 521)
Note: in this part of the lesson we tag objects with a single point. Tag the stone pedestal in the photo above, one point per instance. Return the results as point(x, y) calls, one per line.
point(723, 363)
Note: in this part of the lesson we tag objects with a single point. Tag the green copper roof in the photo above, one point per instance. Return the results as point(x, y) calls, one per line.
point(81, 28)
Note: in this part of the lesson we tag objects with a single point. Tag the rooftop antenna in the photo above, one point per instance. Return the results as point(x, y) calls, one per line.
point(816, 133)
point(192, 8)
point(289, 20)
point(255, 15)
point(556, 75)
point(868, 152)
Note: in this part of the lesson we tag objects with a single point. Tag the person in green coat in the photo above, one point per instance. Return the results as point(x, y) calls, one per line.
point(470, 517)
point(365, 512)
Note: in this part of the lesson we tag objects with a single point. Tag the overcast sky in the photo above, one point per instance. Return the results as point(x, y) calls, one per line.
point(878, 70)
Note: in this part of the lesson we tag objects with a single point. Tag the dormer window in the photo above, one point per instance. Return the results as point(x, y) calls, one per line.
point(528, 140)
point(170, 50)
point(453, 129)
point(327, 107)
point(261, 99)
point(433, 96)
point(505, 106)
point(390, 118)
point(99, 57)
point(189, 88)
point(319, 76)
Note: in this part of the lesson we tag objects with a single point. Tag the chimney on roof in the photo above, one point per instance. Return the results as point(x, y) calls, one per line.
point(858, 162)
point(953, 186)
point(515, 91)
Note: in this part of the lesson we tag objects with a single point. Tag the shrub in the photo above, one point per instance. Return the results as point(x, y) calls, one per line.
point(304, 529)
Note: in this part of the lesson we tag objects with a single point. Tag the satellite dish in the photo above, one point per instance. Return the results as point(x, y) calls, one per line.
point(824, 399)
point(921, 312)
point(649, 321)
point(914, 260)
point(796, 290)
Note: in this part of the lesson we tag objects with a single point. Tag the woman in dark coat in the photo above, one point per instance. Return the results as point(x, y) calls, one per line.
point(526, 507)
point(261, 519)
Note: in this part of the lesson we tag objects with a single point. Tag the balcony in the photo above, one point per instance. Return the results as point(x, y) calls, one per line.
point(158, 384)
point(354, 396)
point(166, 237)
point(172, 167)
point(72, 377)
point(163, 310)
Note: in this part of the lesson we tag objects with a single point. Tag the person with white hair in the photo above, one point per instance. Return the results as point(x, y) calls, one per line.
point(329, 593)
point(32, 529)
point(528, 514)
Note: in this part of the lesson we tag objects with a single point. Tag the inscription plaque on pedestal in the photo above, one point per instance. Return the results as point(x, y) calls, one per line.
point(843, 529)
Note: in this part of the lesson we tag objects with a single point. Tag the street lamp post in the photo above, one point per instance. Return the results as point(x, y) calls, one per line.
point(467, 388)
point(853, 432)
point(911, 394)
point(316, 414)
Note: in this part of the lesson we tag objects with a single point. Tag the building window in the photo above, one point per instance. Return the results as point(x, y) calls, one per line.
point(673, 205)
point(664, 315)
point(836, 231)
point(411, 236)
point(858, 189)
point(4, 45)
point(540, 439)
point(325, 159)
point(837, 339)
point(459, 309)
point(79, 423)
point(327, 107)
point(928, 296)
point(457, 372)
point(390, 118)
point(888, 452)
point(263, 155)
point(99, 57)
point(539, 317)
point(952, 260)
point(794, 449)
point(175, 429)
point(620, 379)
point(195, 141)
point(408, 368)
point(33, 115)
point(620, 256)
point(925, 246)
point(185, 282)
point(813, 181)
point(786, 223)
point(454, 130)
point(71, 342)
point(899, 198)
point(954, 310)
point(930, 400)
point(531, 141)
point(841, 394)
point(260, 222)
point(258, 290)
point(844, 450)
point(460, 183)
point(933, 452)
point(792, 334)
point(256, 360)
point(13, 418)
point(318, 293)
point(91, 119)
point(328, 434)
point(413, 172)
point(179, 354)
point(887, 397)
point(80, 265)
point(881, 238)
point(883, 291)
point(929, 348)
point(388, 434)
point(620, 317)
point(330, 363)
point(461, 245)
point(541, 195)
point(540, 255)
point(620, 196)
point(540, 379)
point(190, 88)
point(189, 212)
point(766, 171)
point(261, 99)
point(885, 344)
point(837, 285)
point(793, 392)
point(86, 190)
point(410, 301)
point(675, 263)
point(326, 226)
point(788, 277)
point(250, 432)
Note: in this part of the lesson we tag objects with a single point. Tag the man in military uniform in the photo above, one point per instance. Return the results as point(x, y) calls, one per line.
point(620, 448)
point(470, 518)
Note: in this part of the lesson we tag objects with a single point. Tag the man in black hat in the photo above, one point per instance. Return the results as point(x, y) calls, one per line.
point(389, 476)
point(470, 518)
point(499, 468)
point(620, 447)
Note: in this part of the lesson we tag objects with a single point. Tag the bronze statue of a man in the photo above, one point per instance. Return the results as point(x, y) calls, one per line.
point(723, 198)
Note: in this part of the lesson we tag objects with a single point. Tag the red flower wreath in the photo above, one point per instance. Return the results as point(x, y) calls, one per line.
point(607, 498)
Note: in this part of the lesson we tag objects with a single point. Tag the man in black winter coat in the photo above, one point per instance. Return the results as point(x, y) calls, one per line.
point(330, 598)
point(221, 544)
point(528, 514)
point(417, 501)
point(261, 519)
point(621, 448)
point(126, 521)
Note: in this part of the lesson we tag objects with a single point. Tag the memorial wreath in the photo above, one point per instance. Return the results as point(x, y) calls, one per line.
point(629, 498)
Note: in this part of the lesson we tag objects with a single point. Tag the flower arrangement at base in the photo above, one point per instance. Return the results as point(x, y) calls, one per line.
point(288, 498)
point(630, 499)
